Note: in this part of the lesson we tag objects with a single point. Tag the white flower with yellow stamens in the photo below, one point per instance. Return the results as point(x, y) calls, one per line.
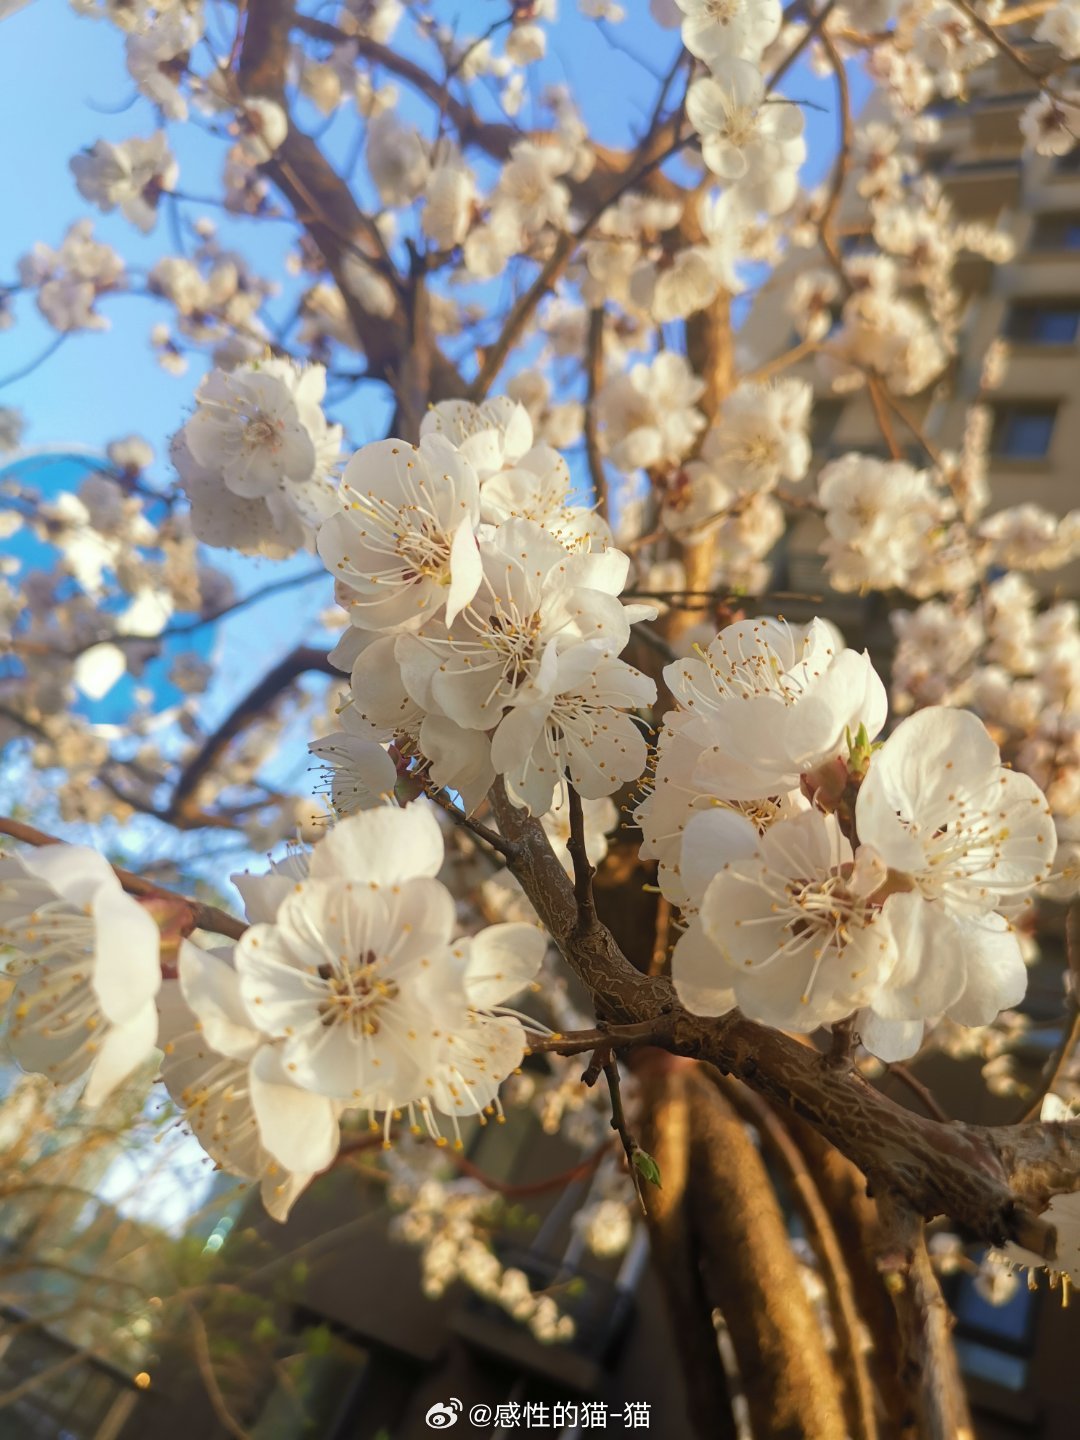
point(231, 1085)
point(404, 546)
point(88, 968)
point(789, 930)
point(355, 976)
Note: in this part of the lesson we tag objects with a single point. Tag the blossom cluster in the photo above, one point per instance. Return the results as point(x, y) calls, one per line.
point(823, 875)
point(485, 625)
point(350, 991)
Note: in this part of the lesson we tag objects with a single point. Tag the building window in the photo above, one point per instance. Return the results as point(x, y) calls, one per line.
point(994, 1342)
point(1053, 324)
point(1060, 231)
point(1022, 431)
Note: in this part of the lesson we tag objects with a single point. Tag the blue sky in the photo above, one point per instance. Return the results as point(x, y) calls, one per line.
point(60, 74)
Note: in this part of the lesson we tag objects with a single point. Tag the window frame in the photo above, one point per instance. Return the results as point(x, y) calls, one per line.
point(1022, 321)
point(1006, 413)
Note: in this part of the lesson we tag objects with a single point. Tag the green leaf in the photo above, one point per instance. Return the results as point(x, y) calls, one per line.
point(645, 1165)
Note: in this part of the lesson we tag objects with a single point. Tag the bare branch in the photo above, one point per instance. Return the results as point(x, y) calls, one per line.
point(930, 1371)
point(594, 378)
point(254, 704)
point(852, 1369)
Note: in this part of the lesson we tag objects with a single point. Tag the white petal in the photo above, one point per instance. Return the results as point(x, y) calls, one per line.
point(122, 1050)
point(74, 871)
point(502, 959)
point(381, 847)
point(127, 943)
point(701, 976)
point(211, 988)
point(466, 570)
point(300, 1130)
point(889, 1039)
point(712, 838)
point(929, 972)
point(279, 1193)
point(996, 974)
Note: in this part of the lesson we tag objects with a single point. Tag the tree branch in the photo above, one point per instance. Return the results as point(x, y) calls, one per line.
point(992, 1180)
point(852, 1368)
point(304, 658)
point(930, 1369)
point(583, 870)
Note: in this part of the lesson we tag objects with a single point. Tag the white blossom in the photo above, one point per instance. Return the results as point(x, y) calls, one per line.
point(355, 976)
point(130, 176)
point(259, 437)
point(648, 415)
point(88, 970)
point(771, 701)
point(491, 436)
point(1051, 123)
point(718, 30)
point(403, 546)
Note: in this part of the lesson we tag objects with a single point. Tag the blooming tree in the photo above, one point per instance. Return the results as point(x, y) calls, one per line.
point(564, 687)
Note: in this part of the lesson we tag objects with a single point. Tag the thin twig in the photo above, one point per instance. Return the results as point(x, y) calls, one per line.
point(919, 1090)
point(1058, 1062)
point(611, 1037)
point(583, 869)
point(842, 1046)
point(474, 827)
point(618, 1123)
point(29, 368)
point(810, 34)
point(877, 399)
point(594, 376)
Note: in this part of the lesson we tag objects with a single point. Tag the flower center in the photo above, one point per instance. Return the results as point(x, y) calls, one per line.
point(355, 995)
point(260, 433)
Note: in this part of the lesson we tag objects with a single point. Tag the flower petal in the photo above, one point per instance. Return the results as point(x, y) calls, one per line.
point(298, 1129)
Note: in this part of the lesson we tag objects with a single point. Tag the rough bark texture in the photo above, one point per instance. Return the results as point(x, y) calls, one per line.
point(855, 1217)
point(852, 1337)
point(665, 1131)
point(753, 1277)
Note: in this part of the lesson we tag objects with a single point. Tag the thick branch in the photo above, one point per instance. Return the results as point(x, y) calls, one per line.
point(666, 1135)
point(324, 204)
point(752, 1275)
point(992, 1180)
point(930, 1370)
point(851, 1346)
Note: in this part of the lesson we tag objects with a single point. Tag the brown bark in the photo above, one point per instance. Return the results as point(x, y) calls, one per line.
point(665, 1133)
point(938, 1407)
point(324, 204)
point(753, 1277)
point(852, 1336)
point(855, 1217)
point(710, 349)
